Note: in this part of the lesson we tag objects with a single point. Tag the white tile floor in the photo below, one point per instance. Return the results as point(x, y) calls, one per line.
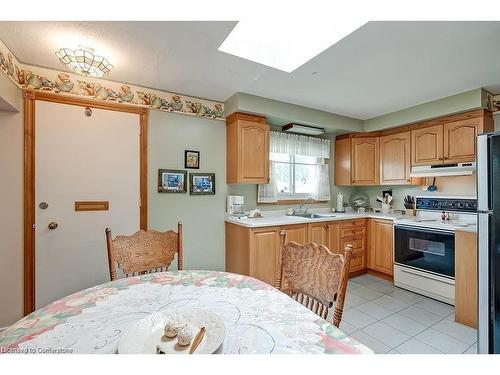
point(392, 320)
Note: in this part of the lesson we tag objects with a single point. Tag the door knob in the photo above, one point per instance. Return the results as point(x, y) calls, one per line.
point(52, 225)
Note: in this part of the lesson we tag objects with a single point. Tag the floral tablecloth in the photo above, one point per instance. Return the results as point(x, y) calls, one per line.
point(258, 318)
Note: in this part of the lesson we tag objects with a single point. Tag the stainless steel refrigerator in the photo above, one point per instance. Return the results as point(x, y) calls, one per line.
point(488, 194)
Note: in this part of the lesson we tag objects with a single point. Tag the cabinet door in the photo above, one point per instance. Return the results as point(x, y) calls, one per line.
point(264, 250)
point(381, 246)
point(358, 262)
point(460, 140)
point(253, 152)
point(317, 233)
point(332, 235)
point(342, 162)
point(365, 161)
point(427, 145)
point(296, 233)
point(395, 159)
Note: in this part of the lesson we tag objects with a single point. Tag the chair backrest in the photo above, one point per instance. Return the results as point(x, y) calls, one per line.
point(144, 251)
point(315, 277)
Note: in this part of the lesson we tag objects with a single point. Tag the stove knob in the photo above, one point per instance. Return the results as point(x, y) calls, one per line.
point(460, 205)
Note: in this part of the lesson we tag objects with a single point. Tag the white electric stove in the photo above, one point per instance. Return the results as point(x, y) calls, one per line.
point(424, 245)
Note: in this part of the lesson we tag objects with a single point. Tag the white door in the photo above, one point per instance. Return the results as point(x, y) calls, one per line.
point(80, 158)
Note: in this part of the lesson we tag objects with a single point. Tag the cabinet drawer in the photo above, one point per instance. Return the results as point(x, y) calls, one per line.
point(352, 223)
point(358, 262)
point(358, 244)
point(351, 232)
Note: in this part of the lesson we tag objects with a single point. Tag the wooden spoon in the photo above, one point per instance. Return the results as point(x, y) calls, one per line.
point(197, 340)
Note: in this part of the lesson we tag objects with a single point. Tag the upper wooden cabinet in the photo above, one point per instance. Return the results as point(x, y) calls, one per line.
point(365, 161)
point(385, 157)
point(342, 161)
point(381, 160)
point(460, 140)
point(247, 143)
point(450, 139)
point(395, 159)
point(427, 145)
point(357, 161)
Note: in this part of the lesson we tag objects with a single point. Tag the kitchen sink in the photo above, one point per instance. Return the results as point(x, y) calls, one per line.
point(313, 216)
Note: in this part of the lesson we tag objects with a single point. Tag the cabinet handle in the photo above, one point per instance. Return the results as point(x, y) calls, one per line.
point(283, 236)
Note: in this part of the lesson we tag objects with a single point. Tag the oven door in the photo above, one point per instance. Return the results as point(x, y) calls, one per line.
point(429, 250)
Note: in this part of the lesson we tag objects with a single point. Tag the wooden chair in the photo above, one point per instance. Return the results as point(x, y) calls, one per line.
point(314, 276)
point(144, 251)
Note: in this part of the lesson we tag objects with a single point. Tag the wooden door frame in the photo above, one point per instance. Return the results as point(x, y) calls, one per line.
point(30, 98)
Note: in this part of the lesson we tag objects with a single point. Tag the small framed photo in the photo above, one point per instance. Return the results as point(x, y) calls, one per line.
point(192, 159)
point(172, 181)
point(202, 183)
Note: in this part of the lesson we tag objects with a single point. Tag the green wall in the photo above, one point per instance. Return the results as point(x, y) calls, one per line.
point(281, 113)
point(465, 101)
point(202, 216)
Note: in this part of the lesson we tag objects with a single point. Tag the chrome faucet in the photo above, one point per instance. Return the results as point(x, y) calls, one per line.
point(299, 210)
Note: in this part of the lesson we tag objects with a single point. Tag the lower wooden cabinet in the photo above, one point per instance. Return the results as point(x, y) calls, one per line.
point(255, 251)
point(326, 234)
point(380, 246)
point(466, 278)
point(353, 232)
point(295, 233)
point(358, 263)
point(264, 251)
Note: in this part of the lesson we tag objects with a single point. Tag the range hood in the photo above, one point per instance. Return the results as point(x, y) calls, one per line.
point(455, 169)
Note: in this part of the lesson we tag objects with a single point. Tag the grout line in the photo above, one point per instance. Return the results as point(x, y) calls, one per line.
point(475, 344)
point(414, 336)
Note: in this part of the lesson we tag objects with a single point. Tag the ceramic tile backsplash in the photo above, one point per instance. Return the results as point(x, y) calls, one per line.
point(451, 185)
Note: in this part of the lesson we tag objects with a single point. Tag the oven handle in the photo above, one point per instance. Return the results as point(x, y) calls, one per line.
point(423, 230)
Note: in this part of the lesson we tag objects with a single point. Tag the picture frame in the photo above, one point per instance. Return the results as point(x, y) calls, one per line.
point(191, 159)
point(202, 183)
point(172, 181)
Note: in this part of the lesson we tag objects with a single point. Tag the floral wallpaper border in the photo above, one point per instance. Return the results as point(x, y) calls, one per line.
point(66, 83)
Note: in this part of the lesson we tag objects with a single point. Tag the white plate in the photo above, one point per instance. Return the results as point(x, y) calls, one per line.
point(144, 335)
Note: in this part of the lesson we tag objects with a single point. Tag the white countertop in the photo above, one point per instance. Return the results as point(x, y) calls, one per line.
point(279, 217)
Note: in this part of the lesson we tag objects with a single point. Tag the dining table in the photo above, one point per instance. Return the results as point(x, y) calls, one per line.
point(257, 317)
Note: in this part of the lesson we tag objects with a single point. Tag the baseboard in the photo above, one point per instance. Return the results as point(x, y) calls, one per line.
point(380, 274)
point(371, 272)
point(357, 273)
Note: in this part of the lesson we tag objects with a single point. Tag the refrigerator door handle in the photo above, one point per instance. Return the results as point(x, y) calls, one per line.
point(483, 283)
point(482, 173)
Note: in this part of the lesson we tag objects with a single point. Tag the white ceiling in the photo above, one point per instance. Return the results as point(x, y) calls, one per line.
point(382, 67)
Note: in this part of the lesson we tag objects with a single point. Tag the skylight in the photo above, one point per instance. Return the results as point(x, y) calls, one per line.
point(285, 46)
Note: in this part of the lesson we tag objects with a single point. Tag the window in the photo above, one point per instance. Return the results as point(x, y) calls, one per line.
point(296, 175)
point(298, 169)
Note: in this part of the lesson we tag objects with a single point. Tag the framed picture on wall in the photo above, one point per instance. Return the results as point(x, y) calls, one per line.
point(202, 183)
point(192, 159)
point(172, 181)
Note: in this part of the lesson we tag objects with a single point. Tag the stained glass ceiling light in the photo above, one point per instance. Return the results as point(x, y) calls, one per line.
point(84, 61)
